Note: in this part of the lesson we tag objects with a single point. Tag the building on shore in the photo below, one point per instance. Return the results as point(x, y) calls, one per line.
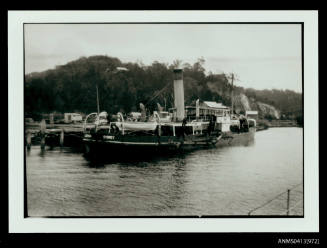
point(251, 114)
point(72, 117)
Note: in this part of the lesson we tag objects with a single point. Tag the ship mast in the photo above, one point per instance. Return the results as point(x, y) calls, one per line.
point(98, 106)
point(116, 70)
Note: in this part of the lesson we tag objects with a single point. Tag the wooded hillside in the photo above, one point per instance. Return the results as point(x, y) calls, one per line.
point(72, 88)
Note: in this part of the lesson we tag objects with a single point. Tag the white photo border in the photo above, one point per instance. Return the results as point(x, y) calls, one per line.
point(19, 224)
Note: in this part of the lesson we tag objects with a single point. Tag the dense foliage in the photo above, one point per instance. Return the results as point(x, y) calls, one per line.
point(288, 102)
point(72, 87)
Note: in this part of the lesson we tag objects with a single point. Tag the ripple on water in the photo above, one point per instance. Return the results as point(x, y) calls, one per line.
point(221, 181)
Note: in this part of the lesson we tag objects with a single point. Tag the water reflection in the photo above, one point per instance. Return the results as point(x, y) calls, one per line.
point(135, 158)
point(42, 153)
point(211, 181)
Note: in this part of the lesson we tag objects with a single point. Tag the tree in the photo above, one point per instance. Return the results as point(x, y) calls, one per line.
point(72, 87)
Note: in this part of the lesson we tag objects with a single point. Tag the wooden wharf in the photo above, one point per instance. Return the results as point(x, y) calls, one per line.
point(53, 134)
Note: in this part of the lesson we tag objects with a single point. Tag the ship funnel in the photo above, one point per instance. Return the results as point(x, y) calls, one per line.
point(179, 94)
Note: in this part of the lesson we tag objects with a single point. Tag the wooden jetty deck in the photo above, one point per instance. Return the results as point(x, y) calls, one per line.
point(53, 134)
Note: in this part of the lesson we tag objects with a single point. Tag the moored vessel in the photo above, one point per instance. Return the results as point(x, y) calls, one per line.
point(203, 125)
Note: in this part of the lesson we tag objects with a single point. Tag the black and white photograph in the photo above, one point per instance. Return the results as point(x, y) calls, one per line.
point(152, 119)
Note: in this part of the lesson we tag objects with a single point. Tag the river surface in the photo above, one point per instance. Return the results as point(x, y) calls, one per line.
point(217, 181)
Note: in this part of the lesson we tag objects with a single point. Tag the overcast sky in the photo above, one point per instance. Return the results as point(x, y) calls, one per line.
point(264, 56)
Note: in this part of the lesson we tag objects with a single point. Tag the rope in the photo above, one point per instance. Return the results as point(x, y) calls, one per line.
point(156, 95)
point(296, 186)
point(298, 191)
point(266, 203)
point(294, 206)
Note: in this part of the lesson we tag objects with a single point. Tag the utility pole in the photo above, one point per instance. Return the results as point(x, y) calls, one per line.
point(232, 93)
point(98, 106)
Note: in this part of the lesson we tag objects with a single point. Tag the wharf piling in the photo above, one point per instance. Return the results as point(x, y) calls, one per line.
point(51, 119)
point(62, 136)
point(43, 134)
point(288, 202)
point(42, 131)
point(28, 140)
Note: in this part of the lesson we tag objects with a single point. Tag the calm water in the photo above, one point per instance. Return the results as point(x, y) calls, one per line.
point(219, 181)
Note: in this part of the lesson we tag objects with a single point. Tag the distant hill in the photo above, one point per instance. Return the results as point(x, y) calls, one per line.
point(72, 88)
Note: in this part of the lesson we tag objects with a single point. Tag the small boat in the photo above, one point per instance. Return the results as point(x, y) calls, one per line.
point(181, 128)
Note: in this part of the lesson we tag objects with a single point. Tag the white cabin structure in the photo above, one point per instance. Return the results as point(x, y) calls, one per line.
point(251, 114)
point(206, 109)
point(72, 117)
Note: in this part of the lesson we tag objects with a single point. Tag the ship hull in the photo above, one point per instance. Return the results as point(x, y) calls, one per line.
point(149, 145)
point(235, 139)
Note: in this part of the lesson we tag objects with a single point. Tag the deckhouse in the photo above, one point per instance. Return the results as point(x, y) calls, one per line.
point(204, 110)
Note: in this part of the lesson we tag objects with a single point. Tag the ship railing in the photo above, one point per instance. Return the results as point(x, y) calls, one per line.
point(121, 117)
point(252, 122)
point(87, 117)
point(155, 115)
point(157, 118)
